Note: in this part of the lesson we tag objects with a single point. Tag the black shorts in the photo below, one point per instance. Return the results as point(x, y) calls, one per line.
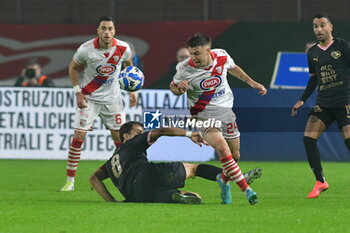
point(158, 182)
point(328, 115)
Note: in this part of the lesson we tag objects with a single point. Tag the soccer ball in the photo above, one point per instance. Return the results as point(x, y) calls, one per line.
point(131, 79)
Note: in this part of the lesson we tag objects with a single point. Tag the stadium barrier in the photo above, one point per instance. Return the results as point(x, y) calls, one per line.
point(36, 123)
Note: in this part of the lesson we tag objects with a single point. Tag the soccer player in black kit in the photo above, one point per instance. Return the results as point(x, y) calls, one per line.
point(139, 180)
point(329, 67)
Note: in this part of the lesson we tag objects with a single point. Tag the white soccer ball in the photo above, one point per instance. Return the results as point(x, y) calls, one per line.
point(131, 79)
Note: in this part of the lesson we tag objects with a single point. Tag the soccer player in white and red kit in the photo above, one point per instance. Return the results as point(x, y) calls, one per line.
point(203, 77)
point(98, 92)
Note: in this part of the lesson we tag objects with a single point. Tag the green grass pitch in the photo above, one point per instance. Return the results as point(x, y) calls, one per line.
point(29, 202)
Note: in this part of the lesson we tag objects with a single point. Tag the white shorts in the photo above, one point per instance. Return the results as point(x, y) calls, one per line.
point(112, 116)
point(227, 117)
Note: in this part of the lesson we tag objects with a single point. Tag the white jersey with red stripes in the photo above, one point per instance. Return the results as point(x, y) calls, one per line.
point(208, 86)
point(102, 69)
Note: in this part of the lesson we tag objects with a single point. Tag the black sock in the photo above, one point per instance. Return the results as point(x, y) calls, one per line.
point(313, 156)
point(347, 143)
point(208, 172)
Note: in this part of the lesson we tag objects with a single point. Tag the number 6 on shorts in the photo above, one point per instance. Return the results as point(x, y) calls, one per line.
point(118, 119)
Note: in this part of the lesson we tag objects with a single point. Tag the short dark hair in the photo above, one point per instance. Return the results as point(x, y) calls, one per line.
point(106, 18)
point(126, 128)
point(322, 15)
point(198, 39)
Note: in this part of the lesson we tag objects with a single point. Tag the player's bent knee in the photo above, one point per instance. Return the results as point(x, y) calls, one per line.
point(222, 149)
point(236, 156)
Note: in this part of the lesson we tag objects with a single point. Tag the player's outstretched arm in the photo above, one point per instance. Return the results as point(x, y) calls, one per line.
point(96, 182)
point(180, 88)
point(240, 74)
point(172, 131)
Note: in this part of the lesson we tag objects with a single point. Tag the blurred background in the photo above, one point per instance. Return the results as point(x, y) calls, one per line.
point(251, 31)
point(137, 11)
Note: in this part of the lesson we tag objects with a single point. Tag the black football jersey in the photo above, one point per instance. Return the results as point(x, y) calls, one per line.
point(127, 162)
point(332, 67)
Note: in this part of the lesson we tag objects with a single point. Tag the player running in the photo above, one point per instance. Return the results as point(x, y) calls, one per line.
point(329, 67)
point(203, 77)
point(98, 93)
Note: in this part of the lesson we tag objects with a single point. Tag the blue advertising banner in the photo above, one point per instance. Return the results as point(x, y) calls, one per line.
point(291, 71)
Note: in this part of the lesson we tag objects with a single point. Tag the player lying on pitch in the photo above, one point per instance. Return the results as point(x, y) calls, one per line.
point(139, 180)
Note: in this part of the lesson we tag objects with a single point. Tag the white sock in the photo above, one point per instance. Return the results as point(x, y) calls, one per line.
point(70, 179)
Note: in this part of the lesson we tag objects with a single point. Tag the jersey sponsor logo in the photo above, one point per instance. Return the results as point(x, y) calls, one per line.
point(108, 82)
point(106, 70)
point(216, 94)
point(213, 82)
point(219, 93)
point(336, 54)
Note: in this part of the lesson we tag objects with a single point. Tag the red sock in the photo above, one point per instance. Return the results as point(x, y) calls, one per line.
point(225, 177)
point(73, 157)
point(232, 170)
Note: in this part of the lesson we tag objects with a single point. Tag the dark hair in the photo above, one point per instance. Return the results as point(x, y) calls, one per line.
point(198, 39)
point(322, 15)
point(126, 128)
point(106, 18)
